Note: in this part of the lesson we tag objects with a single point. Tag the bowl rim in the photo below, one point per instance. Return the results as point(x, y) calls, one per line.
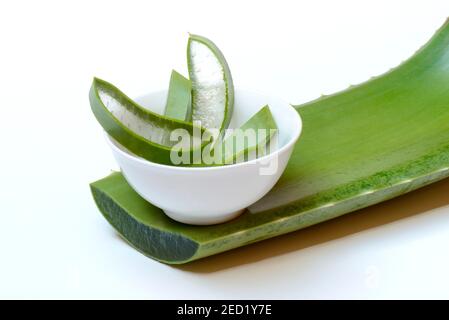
point(114, 144)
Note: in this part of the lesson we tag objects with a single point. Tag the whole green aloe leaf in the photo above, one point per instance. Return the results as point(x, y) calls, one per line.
point(364, 145)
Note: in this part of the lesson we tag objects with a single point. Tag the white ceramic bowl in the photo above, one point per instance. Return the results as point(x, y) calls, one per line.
point(210, 195)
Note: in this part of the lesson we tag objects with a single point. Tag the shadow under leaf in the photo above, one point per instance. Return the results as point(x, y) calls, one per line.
point(427, 198)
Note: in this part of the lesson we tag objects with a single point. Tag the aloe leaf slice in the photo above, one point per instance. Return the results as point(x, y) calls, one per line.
point(212, 87)
point(253, 135)
point(145, 133)
point(178, 104)
point(367, 144)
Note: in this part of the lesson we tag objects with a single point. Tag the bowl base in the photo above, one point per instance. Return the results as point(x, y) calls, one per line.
point(202, 221)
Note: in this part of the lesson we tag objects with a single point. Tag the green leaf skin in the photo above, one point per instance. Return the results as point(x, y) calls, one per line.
point(156, 150)
point(227, 78)
point(367, 144)
point(178, 104)
point(232, 152)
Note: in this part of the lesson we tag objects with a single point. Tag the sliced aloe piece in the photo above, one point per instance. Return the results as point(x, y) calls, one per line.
point(212, 87)
point(179, 97)
point(364, 145)
point(145, 133)
point(253, 135)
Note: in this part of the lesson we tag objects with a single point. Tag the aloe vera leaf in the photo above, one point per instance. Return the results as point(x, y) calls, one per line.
point(178, 98)
point(367, 144)
point(212, 86)
point(145, 133)
point(231, 152)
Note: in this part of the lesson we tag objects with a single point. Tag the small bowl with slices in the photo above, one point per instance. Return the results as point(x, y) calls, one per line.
point(201, 151)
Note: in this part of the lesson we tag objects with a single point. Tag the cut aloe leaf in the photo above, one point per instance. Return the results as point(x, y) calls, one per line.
point(145, 133)
point(253, 135)
point(179, 97)
point(212, 87)
point(367, 144)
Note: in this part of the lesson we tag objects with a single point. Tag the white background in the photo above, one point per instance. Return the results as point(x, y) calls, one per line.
point(53, 241)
